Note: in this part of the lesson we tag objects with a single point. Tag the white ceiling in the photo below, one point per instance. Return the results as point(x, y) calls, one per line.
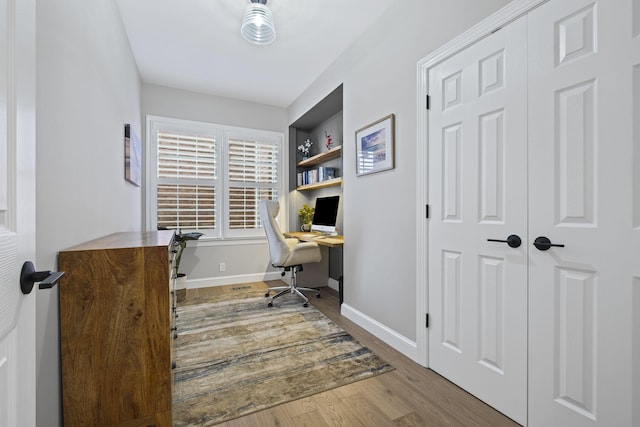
point(196, 44)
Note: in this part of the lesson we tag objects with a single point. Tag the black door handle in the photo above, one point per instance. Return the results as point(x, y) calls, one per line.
point(544, 244)
point(29, 276)
point(513, 241)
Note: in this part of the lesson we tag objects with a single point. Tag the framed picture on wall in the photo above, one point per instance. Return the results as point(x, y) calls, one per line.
point(132, 156)
point(374, 146)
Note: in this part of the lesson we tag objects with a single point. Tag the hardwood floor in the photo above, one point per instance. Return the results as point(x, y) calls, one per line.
point(409, 396)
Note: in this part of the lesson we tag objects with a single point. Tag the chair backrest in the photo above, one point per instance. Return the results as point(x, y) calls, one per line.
point(278, 248)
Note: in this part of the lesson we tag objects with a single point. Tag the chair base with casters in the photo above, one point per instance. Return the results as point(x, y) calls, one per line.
point(292, 288)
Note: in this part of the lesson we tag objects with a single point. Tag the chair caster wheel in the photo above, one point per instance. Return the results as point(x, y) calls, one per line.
point(305, 305)
point(266, 295)
point(317, 295)
point(270, 304)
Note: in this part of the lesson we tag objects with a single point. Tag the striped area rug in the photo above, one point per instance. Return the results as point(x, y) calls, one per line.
point(235, 356)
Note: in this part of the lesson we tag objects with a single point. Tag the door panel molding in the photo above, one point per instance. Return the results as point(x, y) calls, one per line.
point(576, 148)
point(576, 378)
point(492, 168)
point(491, 313)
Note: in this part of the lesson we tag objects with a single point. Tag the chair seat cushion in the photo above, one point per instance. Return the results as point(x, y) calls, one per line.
point(303, 253)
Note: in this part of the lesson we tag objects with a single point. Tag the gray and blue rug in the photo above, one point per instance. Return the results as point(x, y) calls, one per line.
point(235, 356)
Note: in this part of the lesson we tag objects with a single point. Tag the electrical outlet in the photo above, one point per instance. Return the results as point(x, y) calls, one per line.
point(223, 266)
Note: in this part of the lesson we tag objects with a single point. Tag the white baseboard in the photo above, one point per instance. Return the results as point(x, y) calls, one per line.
point(333, 284)
point(389, 336)
point(232, 280)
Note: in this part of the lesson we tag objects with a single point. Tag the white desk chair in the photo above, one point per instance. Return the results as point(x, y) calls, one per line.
point(289, 254)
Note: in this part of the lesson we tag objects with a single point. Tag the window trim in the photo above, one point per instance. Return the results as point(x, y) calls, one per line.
point(222, 133)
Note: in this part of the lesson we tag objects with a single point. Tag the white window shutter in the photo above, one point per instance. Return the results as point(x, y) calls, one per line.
point(186, 177)
point(253, 169)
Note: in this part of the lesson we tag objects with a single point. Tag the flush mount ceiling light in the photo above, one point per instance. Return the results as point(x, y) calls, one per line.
point(257, 23)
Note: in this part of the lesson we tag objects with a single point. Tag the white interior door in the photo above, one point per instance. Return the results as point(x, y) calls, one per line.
point(583, 189)
point(477, 190)
point(585, 193)
point(17, 211)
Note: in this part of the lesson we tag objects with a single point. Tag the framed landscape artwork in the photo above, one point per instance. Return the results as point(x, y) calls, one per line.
point(132, 156)
point(374, 146)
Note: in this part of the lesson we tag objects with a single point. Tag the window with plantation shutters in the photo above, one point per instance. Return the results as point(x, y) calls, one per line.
point(252, 175)
point(210, 178)
point(186, 184)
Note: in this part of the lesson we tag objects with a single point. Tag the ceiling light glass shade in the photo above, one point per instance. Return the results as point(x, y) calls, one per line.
point(257, 24)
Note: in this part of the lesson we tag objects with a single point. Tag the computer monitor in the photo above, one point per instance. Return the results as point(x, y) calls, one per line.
point(325, 214)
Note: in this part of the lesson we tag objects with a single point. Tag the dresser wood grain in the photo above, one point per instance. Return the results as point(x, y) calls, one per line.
point(115, 321)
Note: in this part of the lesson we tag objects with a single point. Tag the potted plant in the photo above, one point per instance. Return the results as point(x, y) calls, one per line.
point(305, 148)
point(305, 214)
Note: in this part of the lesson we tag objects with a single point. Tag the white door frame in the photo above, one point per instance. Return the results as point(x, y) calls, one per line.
point(504, 16)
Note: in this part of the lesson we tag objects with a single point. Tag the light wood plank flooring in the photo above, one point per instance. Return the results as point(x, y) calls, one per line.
point(409, 396)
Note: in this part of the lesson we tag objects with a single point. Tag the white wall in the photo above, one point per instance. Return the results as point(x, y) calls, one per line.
point(181, 104)
point(379, 76)
point(88, 87)
point(244, 260)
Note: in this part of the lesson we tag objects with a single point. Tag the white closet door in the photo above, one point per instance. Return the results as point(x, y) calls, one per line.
point(17, 211)
point(477, 188)
point(585, 194)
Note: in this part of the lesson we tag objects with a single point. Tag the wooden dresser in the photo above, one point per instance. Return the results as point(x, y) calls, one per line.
point(116, 320)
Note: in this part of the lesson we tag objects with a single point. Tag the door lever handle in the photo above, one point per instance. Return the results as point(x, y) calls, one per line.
point(29, 276)
point(513, 241)
point(543, 243)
